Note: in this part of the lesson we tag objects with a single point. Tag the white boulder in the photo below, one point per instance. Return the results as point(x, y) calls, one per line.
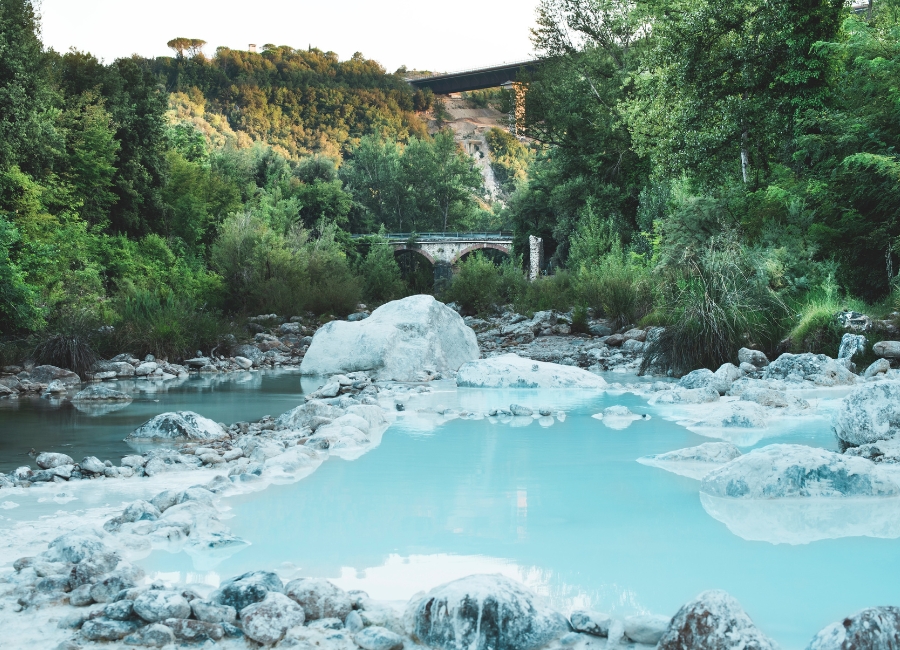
point(183, 425)
point(816, 368)
point(705, 378)
point(397, 342)
point(512, 371)
point(646, 628)
point(780, 471)
point(876, 628)
point(868, 414)
point(694, 462)
point(268, 620)
point(319, 598)
point(713, 621)
point(483, 612)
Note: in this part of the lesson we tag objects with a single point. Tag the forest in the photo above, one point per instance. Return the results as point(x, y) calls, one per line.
point(728, 169)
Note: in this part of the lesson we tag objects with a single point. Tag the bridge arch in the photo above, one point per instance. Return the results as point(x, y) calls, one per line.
point(480, 246)
point(411, 249)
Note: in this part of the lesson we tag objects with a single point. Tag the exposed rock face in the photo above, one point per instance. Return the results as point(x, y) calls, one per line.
point(887, 349)
point(778, 471)
point(713, 621)
point(816, 368)
point(876, 628)
point(512, 371)
point(484, 612)
point(48, 374)
point(397, 342)
point(183, 425)
point(268, 620)
point(319, 598)
point(869, 414)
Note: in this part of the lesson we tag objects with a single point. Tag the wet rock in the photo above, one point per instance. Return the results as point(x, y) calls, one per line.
point(306, 415)
point(194, 631)
point(765, 397)
point(851, 345)
point(816, 368)
point(106, 629)
point(211, 612)
point(704, 378)
point(713, 621)
point(753, 357)
point(869, 413)
point(887, 349)
point(152, 636)
point(268, 620)
point(158, 605)
point(167, 460)
point(247, 589)
point(319, 598)
point(146, 369)
point(243, 362)
point(378, 638)
point(48, 374)
point(92, 465)
point(704, 395)
point(879, 367)
point(484, 612)
point(120, 610)
point(876, 628)
point(519, 410)
point(183, 425)
point(779, 471)
point(694, 462)
point(81, 596)
point(75, 547)
point(393, 342)
point(646, 628)
point(512, 371)
point(109, 587)
point(48, 460)
point(94, 568)
point(590, 622)
point(101, 394)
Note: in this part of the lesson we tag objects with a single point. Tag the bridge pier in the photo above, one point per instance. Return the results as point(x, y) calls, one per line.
point(443, 275)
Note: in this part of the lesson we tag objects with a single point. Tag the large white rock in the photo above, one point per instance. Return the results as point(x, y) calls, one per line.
point(876, 628)
point(397, 342)
point(868, 414)
point(779, 471)
point(646, 628)
point(816, 368)
point(183, 425)
point(267, 621)
point(694, 462)
point(512, 371)
point(713, 621)
point(483, 612)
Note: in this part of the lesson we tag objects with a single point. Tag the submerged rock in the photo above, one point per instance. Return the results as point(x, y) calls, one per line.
point(98, 393)
point(397, 342)
point(713, 621)
point(779, 471)
point(876, 628)
point(694, 462)
point(484, 612)
point(183, 425)
point(512, 371)
point(868, 414)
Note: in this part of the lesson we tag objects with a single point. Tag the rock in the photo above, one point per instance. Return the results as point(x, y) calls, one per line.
point(146, 369)
point(353, 623)
point(248, 352)
point(183, 425)
point(55, 387)
point(879, 367)
point(152, 636)
point(394, 343)
point(331, 389)
point(748, 368)
point(704, 378)
point(851, 345)
point(590, 622)
point(107, 589)
point(48, 374)
point(120, 610)
point(713, 621)
point(106, 629)
point(635, 335)
point(694, 462)
point(194, 631)
point(247, 589)
point(378, 638)
point(101, 394)
point(484, 612)
point(887, 349)
point(307, 414)
point(876, 628)
point(92, 465)
point(353, 318)
point(753, 357)
point(615, 340)
point(817, 368)
point(158, 605)
point(81, 596)
point(704, 395)
point(319, 598)
point(785, 471)
point(646, 628)
point(210, 612)
point(765, 397)
point(267, 621)
point(518, 410)
point(599, 330)
point(140, 511)
point(168, 460)
point(869, 413)
point(243, 362)
point(512, 371)
point(49, 460)
point(75, 547)
point(729, 373)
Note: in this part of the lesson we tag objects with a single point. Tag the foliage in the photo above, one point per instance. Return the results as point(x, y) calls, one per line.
point(509, 158)
point(18, 308)
point(616, 285)
point(380, 273)
point(715, 303)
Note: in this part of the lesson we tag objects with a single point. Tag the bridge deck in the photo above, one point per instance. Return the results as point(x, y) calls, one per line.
point(479, 79)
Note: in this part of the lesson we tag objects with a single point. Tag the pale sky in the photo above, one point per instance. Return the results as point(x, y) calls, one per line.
point(432, 34)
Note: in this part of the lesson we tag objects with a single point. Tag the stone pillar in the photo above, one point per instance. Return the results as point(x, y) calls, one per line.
point(535, 255)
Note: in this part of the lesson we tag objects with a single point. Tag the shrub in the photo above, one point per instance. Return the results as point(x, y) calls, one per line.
point(381, 274)
point(617, 286)
point(712, 305)
point(817, 329)
point(547, 292)
point(72, 350)
point(476, 288)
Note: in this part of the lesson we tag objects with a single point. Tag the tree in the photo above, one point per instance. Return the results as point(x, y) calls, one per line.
point(193, 46)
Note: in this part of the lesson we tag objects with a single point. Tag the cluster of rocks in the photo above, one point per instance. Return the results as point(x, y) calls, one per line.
point(45, 380)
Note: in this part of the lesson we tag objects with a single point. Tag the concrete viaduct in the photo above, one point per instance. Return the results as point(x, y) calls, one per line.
point(479, 79)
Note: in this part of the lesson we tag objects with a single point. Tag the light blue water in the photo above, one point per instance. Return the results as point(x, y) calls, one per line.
point(565, 509)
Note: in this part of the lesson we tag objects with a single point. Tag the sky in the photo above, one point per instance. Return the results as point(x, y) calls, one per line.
point(439, 36)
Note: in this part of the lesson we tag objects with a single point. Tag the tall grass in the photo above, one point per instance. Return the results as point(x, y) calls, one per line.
point(712, 305)
point(616, 286)
point(816, 327)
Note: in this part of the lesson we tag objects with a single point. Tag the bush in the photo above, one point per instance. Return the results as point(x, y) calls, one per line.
point(616, 286)
point(381, 274)
point(714, 304)
point(477, 287)
point(817, 329)
point(546, 292)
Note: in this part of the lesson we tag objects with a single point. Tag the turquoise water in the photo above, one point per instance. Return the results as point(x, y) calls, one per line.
point(565, 508)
